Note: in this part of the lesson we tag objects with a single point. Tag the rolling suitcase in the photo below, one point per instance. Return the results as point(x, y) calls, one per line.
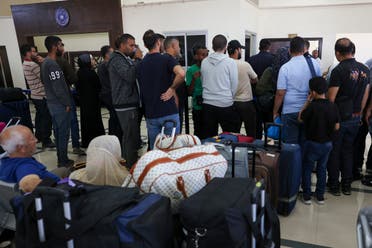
point(238, 214)
point(289, 172)
point(364, 228)
point(265, 165)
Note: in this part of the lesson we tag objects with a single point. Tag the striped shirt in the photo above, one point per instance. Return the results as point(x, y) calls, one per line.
point(32, 75)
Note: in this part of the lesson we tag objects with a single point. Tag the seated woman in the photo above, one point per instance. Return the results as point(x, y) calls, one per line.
point(103, 165)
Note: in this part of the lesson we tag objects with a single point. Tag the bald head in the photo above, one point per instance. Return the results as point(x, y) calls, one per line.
point(18, 141)
point(344, 47)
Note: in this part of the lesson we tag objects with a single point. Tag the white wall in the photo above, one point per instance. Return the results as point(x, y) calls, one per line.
point(213, 16)
point(362, 43)
point(8, 38)
point(302, 3)
point(77, 42)
point(324, 22)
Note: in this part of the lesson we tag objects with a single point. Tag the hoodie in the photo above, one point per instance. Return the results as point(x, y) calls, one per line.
point(219, 75)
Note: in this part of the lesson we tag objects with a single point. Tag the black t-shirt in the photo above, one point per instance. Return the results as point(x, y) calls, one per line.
point(319, 120)
point(352, 78)
point(155, 76)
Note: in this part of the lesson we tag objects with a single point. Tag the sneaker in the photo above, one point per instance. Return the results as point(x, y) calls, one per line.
point(346, 189)
point(50, 144)
point(334, 191)
point(78, 151)
point(67, 164)
point(306, 199)
point(320, 200)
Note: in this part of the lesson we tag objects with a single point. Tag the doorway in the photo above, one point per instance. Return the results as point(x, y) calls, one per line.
point(6, 80)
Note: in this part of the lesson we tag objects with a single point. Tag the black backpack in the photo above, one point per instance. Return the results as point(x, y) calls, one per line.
point(101, 216)
point(220, 216)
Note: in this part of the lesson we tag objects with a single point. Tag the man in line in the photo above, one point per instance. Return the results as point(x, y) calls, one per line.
point(20, 145)
point(292, 91)
point(195, 88)
point(59, 98)
point(43, 121)
point(71, 79)
point(349, 89)
point(125, 95)
point(243, 100)
point(105, 93)
point(263, 59)
point(159, 76)
point(219, 75)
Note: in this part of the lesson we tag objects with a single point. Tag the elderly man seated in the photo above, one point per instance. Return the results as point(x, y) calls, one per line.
point(20, 144)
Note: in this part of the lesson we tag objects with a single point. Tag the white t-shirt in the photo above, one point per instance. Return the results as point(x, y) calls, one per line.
point(245, 74)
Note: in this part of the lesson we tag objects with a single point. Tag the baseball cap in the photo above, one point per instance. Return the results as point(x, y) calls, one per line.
point(234, 44)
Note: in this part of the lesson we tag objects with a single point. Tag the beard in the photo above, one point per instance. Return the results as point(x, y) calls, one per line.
point(239, 56)
point(59, 53)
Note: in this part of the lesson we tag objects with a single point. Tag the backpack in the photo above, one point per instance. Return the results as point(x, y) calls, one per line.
point(100, 216)
point(220, 216)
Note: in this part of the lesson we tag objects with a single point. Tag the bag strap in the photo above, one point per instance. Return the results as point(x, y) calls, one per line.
point(311, 66)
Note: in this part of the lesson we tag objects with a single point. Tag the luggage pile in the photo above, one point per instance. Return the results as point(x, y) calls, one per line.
point(189, 196)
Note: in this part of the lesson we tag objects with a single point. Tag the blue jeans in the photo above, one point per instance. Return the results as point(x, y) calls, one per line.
point(293, 130)
point(315, 152)
point(154, 127)
point(75, 137)
point(341, 157)
point(61, 127)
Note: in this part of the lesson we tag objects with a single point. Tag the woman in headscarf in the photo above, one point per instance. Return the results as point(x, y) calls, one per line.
point(88, 88)
point(103, 165)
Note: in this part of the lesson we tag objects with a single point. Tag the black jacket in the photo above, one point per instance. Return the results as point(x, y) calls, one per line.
point(124, 90)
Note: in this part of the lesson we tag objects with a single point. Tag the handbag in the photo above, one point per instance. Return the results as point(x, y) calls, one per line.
point(274, 131)
point(178, 173)
point(167, 143)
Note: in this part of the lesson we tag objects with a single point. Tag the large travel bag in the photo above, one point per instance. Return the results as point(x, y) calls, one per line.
point(364, 228)
point(290, 171)
point(178, 173)
point(74, 214)
point(265, 165)
point(229, 213)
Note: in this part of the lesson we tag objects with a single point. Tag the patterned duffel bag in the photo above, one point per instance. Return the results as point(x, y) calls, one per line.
point(177, 174)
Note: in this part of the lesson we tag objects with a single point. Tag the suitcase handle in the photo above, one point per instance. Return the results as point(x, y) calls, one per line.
point(250, 146)
point(266, 126)
point(162, 133)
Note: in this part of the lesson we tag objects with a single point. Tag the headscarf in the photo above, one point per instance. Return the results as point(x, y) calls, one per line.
point(84, 61)
point(102, 167)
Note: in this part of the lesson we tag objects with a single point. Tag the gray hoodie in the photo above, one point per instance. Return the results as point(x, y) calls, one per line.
point(219, 75)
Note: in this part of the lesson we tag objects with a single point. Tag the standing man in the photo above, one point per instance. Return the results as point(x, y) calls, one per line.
point(125, 97)
point(195, 88)
point(243, 100)
point(59, 98)
point(71, 79)
point(220, 81)
point(349, 89)
point(159, 76)
point(106, 95)
point(43, 121)
point(292, 91)
point(263, 59)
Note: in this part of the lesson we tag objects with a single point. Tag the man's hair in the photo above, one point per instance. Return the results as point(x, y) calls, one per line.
point(14, 139)
point(51, 41)
point(33, 46)
point(219, 42)
point(105, 50)
point(196, 48)
point(123, 39)
point(297, 45)
point(264, 44)
point(169, 41)
point(307, 44)
point(345, 46)
point(318, 84)
point(25, 48)
point(150, 38)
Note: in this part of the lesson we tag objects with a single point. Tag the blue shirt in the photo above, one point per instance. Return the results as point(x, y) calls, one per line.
point(155, 75)
point(12, 170)
point(294, 77)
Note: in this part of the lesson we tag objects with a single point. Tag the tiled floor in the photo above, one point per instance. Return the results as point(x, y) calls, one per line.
point(330, 225)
